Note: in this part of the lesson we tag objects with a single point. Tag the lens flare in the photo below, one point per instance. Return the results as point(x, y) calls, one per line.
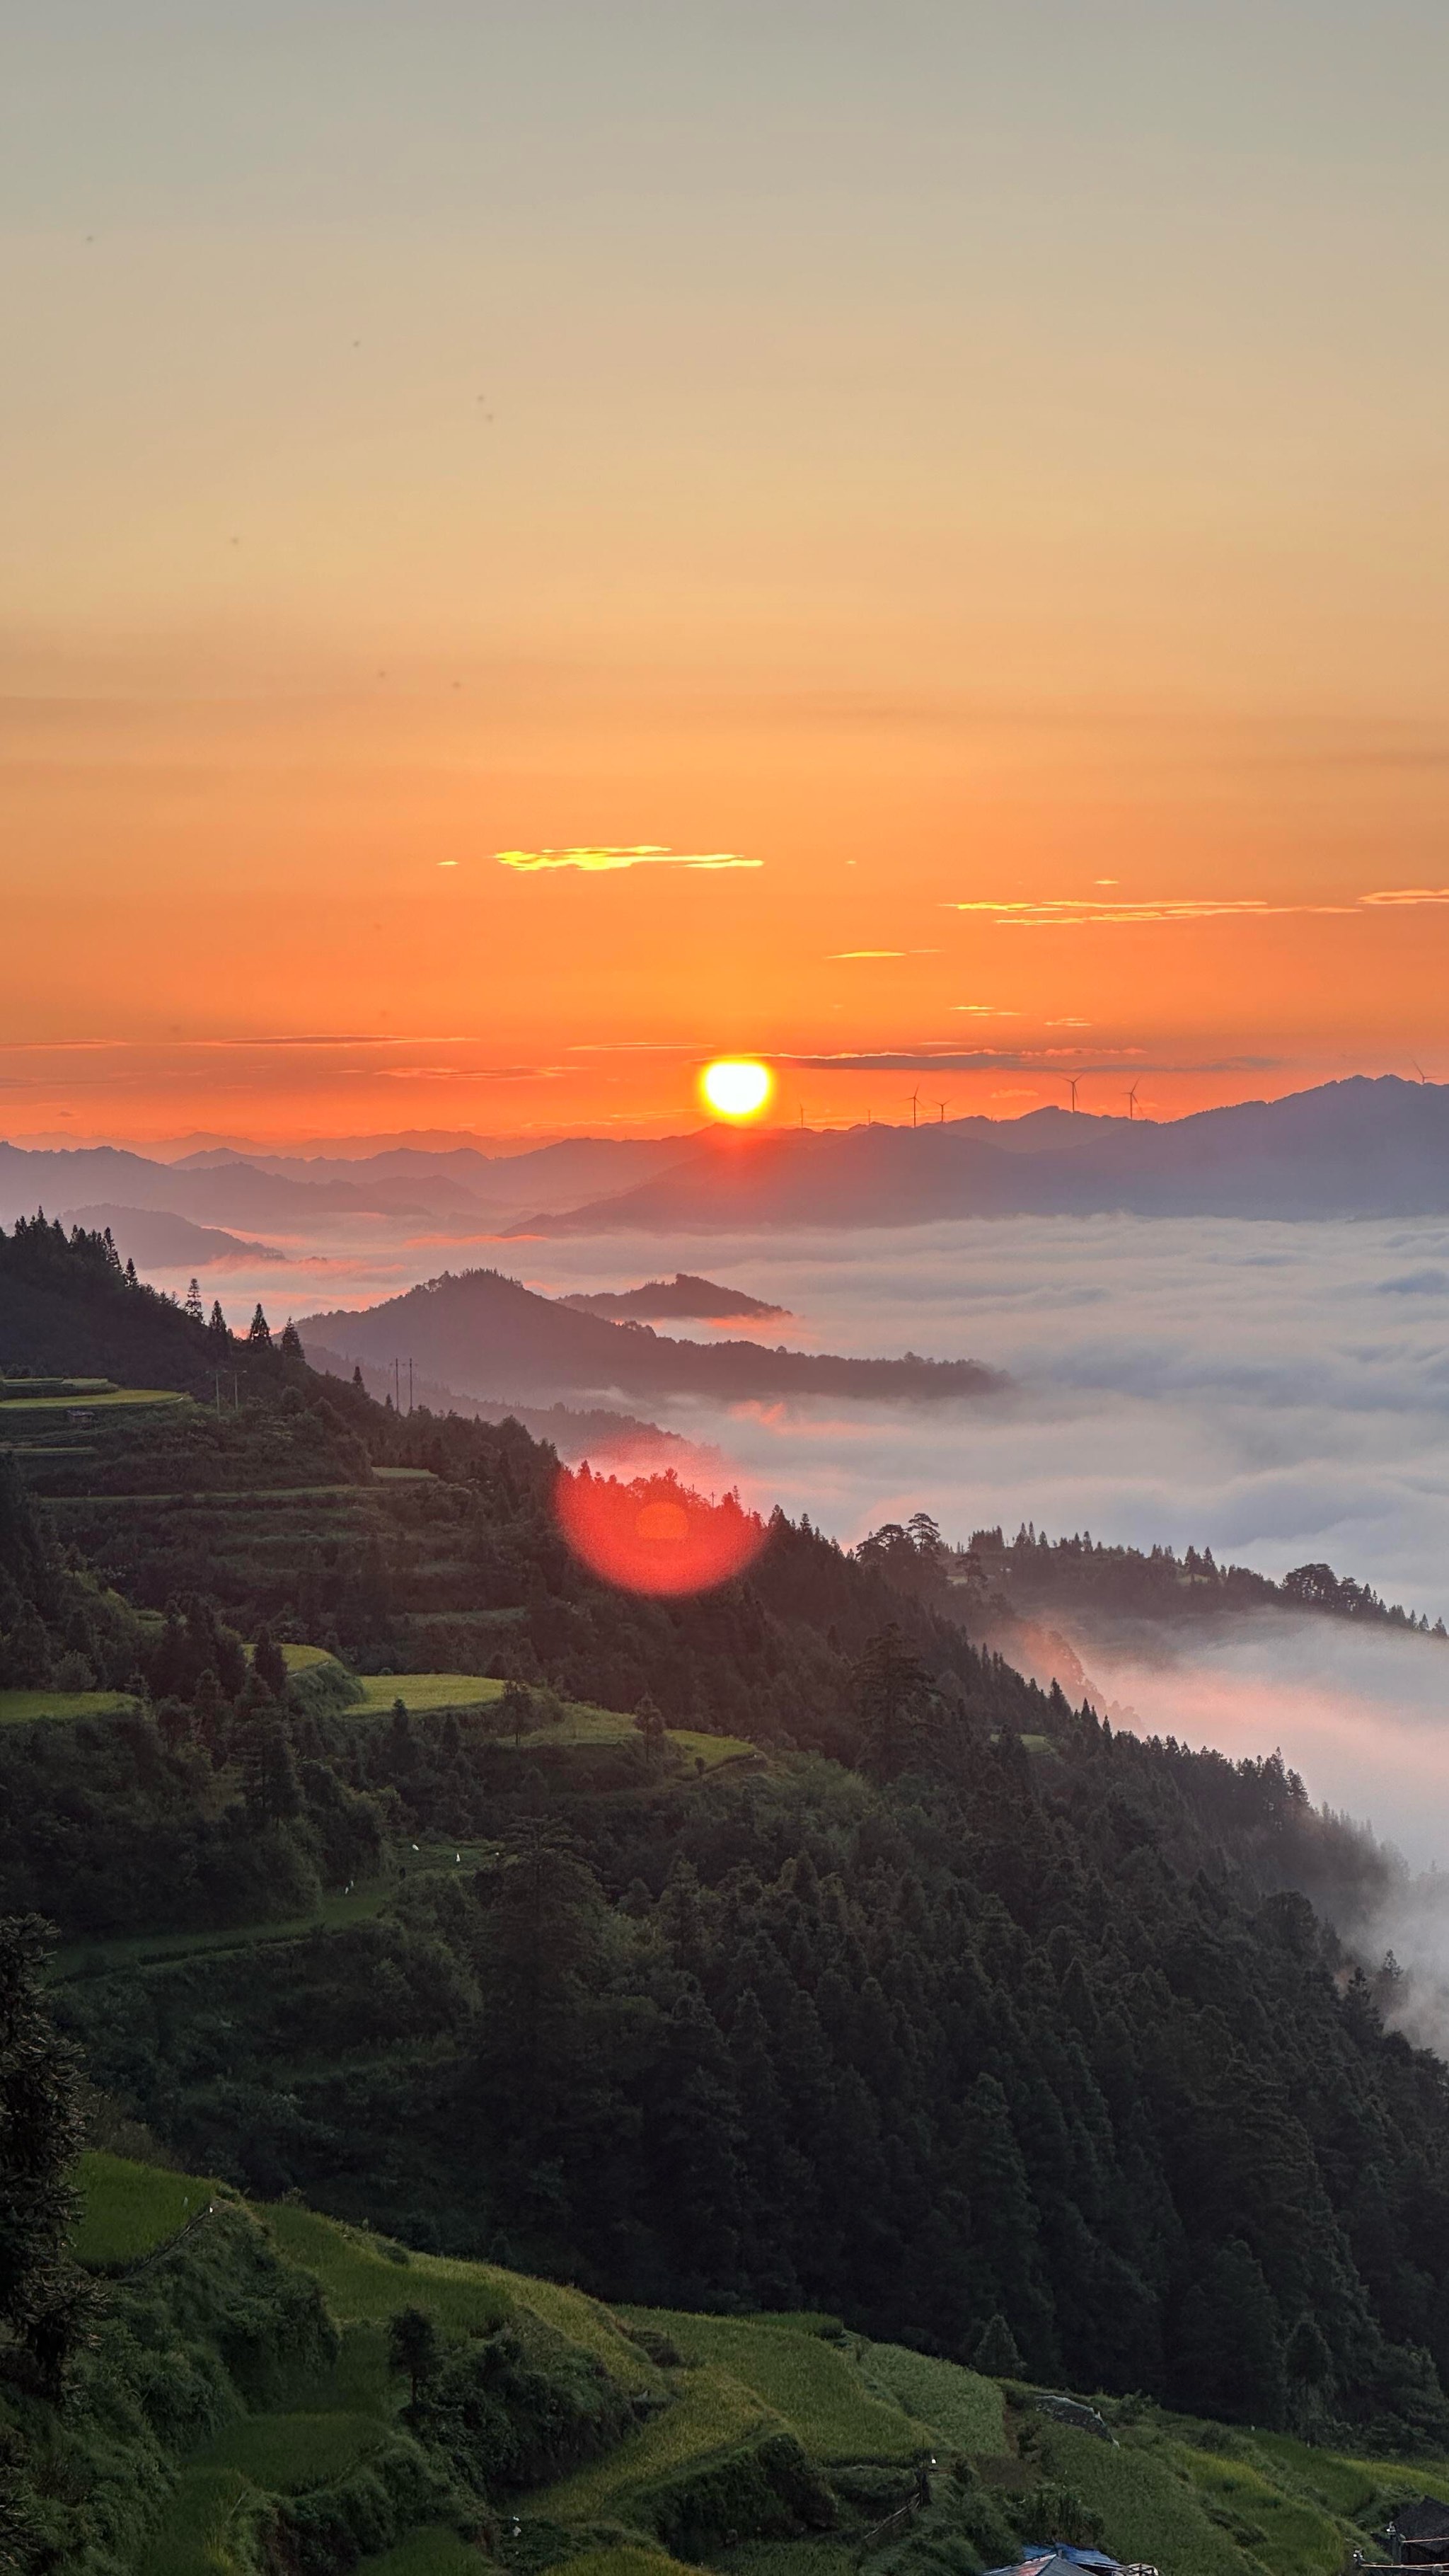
point(654, 1535)
point(736, 1086)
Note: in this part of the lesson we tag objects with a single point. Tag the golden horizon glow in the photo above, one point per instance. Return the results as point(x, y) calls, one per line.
point(736, 1087)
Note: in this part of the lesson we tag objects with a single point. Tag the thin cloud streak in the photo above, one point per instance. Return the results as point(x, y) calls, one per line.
point(605, 860)
point(1087, 913)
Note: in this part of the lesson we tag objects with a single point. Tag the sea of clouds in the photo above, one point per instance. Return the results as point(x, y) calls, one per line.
point(1279, 1393)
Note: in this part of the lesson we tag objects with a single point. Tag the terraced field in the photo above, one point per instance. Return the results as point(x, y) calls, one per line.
point(30, 1707)
point(707, 2392)
point(128, 2210)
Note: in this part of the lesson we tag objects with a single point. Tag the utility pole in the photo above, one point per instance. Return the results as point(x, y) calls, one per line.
point(410, 1386)
point(218, 1394)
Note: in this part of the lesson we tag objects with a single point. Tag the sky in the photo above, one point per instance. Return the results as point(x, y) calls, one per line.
point(943, 508)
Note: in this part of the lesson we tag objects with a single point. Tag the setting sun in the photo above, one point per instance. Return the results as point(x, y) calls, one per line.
point(736, 1088)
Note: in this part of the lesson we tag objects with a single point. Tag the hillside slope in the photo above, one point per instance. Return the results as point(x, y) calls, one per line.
point(282, 2433)
point(490, 1335)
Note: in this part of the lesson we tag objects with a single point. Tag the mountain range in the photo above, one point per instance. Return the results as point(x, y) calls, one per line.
point(1357, 1148)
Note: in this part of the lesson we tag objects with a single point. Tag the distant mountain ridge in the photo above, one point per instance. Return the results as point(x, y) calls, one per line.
point(659, 1300)
point(1357, 1148)
point(487, 1334)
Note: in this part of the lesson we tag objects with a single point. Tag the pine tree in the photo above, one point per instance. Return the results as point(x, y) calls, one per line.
point(270, 1785)
point(412, 2348)
point(270, 1664)
point(291, 1341)
point(260, 1335)
point(218, 1327)
point(996, 2355)
point(192, 1305)
point(649, 1720)
point(357, 1377)
point(43, 2298)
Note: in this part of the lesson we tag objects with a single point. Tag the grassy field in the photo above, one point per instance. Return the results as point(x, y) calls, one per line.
point(1346, 2487)
point(429, 2553)
point(336, 1912)
point(27, 1707)
point(116, 1399)
point(963, 2411)
point(1194, 2499)
point(127, 2209)
point(421, 1691)
point(193, 2538)
point(713, 2412)
point(810, 2385)
point(1147, 2511)
point(1291, 2532)
point(289, 2453)
point(363, 2284)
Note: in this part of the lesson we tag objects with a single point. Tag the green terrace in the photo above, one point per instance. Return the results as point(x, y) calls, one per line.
point(624, 2442)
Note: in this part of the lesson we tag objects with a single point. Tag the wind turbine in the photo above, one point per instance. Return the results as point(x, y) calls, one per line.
point(1418, 1068)
point(1132, 1101)
point(915, 1104)
point(1071, 1080)
point(942, 1106)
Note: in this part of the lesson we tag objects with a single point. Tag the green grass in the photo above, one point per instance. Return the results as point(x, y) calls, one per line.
point(789, 2558)
point(421, 1691)
point(193, 2539)
point(115, 1400)
point(127, 2209)
point(964, 2411)
point(363, 2285)
point(1290, 2535)
point(289, 2453)
point(713, 2413)
point(808, 2384)
point(1349, 2488)
point(1147, 2512)
point(337, 1912)
point(26, 1707)
point(433, 2552)
point(626, 2561)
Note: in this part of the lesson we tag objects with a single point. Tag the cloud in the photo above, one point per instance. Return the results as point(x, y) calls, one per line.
point(840, 956)
point(1086, 913)
point(603, 861)
point(984, 1011)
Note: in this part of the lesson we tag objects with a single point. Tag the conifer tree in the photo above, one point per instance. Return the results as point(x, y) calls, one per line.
point(42, 2296)
point(996, 2355)
point(270, 1664)
point(291, 1341)
point(192, 1303)
point(218, 1327)
point(260, 1335)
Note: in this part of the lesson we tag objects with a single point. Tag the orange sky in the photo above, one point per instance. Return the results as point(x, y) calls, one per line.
point(985, 458)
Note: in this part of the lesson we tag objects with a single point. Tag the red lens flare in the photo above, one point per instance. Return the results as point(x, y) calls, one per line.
point(653, 1534)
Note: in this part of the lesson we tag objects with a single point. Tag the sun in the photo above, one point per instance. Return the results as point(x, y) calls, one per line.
point(736, 1087)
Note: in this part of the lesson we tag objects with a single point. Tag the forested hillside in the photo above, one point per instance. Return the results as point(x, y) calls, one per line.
point(771, 1949)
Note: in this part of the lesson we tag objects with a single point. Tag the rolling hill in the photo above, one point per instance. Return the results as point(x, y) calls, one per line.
point(487, 1334)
